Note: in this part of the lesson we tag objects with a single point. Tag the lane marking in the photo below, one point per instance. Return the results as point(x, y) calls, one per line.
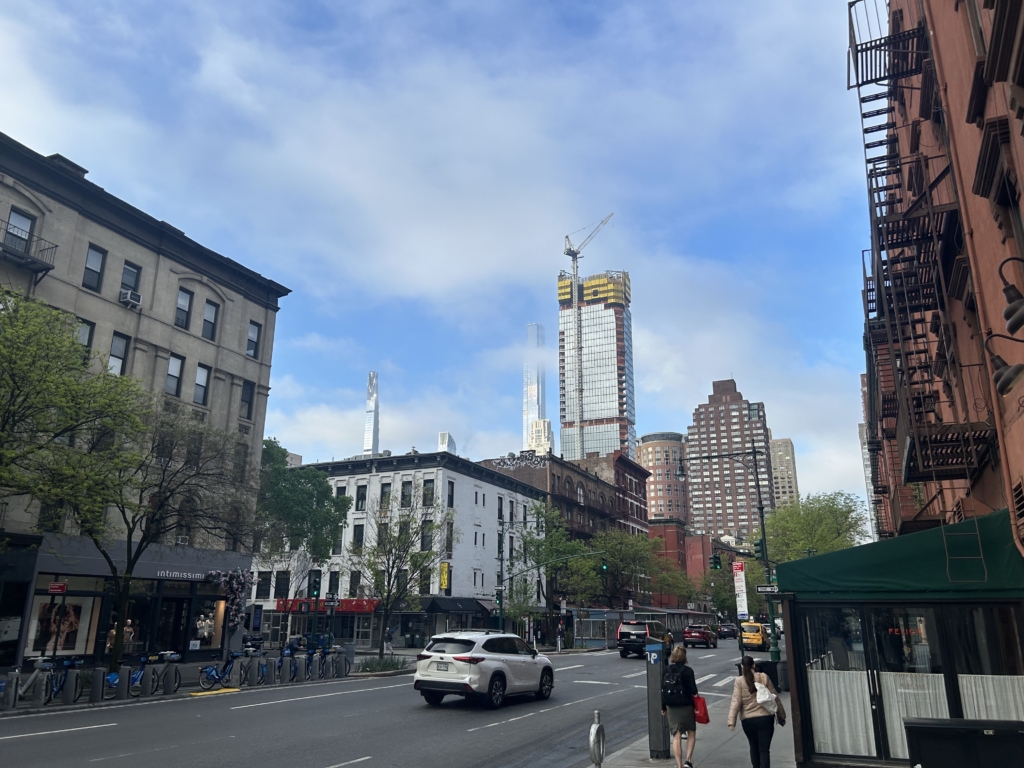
point(724, 681)
point(158, 749)
point(321, 696)
point(593, 682)
point(636, 674)
point(351, 762)
point(562, 669)
point(709, 656)
point(549, 709)
point(62, 730)
point(702, 679)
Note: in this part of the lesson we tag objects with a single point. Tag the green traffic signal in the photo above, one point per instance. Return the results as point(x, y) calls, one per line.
point(759, 550)
point(604, 565)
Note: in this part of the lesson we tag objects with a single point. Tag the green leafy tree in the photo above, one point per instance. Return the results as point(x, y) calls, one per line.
point(825, 522)
point(405, 539)
point(668, 580)
point(630, 560)
point(722, 589)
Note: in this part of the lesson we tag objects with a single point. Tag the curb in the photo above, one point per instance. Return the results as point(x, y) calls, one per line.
point(389, 673)
point(216, 692)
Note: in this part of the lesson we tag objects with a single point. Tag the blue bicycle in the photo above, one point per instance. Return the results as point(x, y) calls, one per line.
point(211, 676)
point(163, 658)
point(44, 675)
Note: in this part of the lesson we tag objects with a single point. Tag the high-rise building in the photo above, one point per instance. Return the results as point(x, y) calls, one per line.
point(541, 439)
point(445, 442)
point(371, 433)
point(784, 472)
point(723, 492)
point(660, 454)
point(533, 382)
point(609, 414)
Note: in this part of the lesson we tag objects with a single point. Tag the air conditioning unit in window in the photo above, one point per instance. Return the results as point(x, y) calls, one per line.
point(131, 299)
point(181, 541)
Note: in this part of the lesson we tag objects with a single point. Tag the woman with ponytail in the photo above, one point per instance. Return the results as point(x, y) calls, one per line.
point(758, 716)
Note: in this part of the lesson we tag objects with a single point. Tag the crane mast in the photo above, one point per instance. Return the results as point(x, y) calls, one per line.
point(573, 252)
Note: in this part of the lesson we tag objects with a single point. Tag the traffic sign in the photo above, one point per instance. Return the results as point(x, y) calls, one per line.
point(331, 596)
point(332, 603)
point(58, 588)
point(767, 589)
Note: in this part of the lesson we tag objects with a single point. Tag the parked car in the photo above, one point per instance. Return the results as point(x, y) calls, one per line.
point(632, 636)
point(728, 630)
point(700, 634)
point(754, 636)
point(486, 664)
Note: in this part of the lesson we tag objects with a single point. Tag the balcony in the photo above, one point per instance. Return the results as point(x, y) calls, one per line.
point(936, 451)
point(26, 250)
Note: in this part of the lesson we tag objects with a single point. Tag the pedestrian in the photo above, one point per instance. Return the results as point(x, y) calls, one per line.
point(678, 688)
point(754, 699)
point(388, 637)
point(561, 636)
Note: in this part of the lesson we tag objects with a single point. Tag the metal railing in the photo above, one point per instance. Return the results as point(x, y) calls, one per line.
point(25, 247)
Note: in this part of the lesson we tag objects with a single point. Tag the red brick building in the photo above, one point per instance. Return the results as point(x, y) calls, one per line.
point(690, 552)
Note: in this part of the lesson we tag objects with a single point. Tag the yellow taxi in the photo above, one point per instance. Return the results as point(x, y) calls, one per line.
point(753, 636)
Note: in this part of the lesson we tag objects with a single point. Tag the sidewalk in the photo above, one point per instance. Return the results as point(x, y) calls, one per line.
point(717, 746)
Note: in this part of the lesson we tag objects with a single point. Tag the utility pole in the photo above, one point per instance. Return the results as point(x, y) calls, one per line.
point(573, 253)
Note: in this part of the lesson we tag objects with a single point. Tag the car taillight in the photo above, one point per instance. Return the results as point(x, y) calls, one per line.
point(469, 659)
point(422, 656)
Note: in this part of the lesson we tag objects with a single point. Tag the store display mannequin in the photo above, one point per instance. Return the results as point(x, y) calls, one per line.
point(129, 632)
point(110, 637)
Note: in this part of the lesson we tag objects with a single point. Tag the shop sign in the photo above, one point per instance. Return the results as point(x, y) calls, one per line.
point(58, 588)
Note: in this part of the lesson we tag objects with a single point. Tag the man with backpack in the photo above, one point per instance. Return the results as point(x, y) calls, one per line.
point(678, 687)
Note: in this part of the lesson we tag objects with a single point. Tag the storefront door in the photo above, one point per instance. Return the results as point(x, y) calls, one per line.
point(363, 630)
point(172, 630)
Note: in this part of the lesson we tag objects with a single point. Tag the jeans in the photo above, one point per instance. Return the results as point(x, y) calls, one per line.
point(759, 732)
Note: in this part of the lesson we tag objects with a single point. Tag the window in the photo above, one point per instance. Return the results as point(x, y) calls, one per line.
point(248, 395)
point(202, 390)
point(93, 277)
point(475, 539)
point(483, 500)
point(360, 498)
point(130, 277)
point(357, 535)
point(406, 494)
point(282, 583)
point(334, 582)
point(210, 321)
point(476, 497)
point(428, 494)
point(427, 536)
point(19, 230)
point(174, 367)
point(385, 495)
point(340, 490)
point(85, 329)
point(252, 345)
point(183, 312)
point(501, 508)
point(339, 542)
point(449, 539)
point(425, 583)
point(354, 578)
point(263, 585)
point(451, 494)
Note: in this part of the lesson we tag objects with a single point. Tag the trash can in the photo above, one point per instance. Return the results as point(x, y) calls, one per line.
point(937, 743)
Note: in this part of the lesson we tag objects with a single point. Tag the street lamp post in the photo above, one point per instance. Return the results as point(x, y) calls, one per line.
point(774, 653)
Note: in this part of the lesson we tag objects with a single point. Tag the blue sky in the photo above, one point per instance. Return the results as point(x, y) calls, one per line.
point(410, 169)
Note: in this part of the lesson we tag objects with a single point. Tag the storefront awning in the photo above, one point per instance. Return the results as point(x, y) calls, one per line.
point(973, 559)
point(451, 605)
point(490, 606)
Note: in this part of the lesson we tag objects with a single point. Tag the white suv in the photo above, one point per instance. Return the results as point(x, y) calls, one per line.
point(481, 663)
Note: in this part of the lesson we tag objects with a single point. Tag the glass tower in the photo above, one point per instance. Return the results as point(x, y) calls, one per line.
point(533, 381)
point(609, 414)
point(371, 433)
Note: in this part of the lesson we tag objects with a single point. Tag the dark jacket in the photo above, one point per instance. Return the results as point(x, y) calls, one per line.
point(689, 683)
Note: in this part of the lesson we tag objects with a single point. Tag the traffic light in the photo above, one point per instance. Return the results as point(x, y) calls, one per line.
point(715, 562)
point(604, 565)
point(314, 584)
point(759, 549)
point(497, 595)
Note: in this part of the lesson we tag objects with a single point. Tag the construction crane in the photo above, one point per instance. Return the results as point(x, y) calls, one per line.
point(573, 252)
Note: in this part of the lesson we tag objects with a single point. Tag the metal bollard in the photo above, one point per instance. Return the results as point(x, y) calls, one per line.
point(146, 683)
point(124, 682)
point(169, 679)
point(270, 677)
point(10, 698)
point(99, 682)
point(597, 740)
point(314, 671)
point(254, 665)
point(39, 690)
point(235, 677)
point(67, 694)
point(300, 669)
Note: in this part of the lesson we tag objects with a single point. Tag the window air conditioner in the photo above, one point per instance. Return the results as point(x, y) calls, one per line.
point(181, 541)
point(131, 299)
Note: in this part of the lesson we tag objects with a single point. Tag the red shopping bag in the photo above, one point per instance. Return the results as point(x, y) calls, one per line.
point(700, 710)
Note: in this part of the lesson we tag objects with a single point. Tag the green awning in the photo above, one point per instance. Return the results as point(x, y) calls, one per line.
point(970, 560)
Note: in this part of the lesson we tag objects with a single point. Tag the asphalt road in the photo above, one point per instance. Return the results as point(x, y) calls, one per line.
point(364, 722)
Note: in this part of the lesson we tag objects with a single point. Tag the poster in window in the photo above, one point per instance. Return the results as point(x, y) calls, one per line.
point(65, 627)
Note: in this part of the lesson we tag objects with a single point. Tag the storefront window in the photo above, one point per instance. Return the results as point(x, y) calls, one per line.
point(67, 626)
point(990, 672)
point(12, 604)
point(208, 624)
point(177, 588)
point(136, 627)
point(837, 682)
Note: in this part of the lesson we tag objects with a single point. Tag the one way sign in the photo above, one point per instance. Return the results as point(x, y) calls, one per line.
point(767, 589)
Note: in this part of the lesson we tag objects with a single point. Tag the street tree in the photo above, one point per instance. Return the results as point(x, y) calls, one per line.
point(668, 580)
point(816, 524)
point(630, 561)
point(299, 519)
point(169, 479)
point(405, 538)
point(52, 391)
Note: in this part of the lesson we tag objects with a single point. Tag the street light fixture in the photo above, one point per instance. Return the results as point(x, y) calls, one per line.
point(1005, 377)
point(1014, 312)
point(738, 457)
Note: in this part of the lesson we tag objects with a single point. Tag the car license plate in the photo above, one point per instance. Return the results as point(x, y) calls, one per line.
point(442, 666)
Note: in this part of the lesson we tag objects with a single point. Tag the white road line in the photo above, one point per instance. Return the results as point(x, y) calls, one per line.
point(549, 709)
point(702, 679)
point(62, 730)
point(636, 674)
point(501, 722)
point(350, 762)
point(320, 696)
point(724, 681)
point(158, 749)
point(593, 682)
point(562, 669)
point(709, 656)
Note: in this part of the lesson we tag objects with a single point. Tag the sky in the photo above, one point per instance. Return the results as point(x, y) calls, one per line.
point(410, 169)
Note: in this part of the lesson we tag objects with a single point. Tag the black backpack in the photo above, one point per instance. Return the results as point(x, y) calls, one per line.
point(673, 688)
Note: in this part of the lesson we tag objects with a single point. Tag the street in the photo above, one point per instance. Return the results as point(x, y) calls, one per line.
point(356, 721)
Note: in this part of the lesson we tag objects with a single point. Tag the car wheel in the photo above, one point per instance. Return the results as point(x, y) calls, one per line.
point(623, 652)
point(496, 692)
point(547, 682)
point(716, 644)
point(433, 698)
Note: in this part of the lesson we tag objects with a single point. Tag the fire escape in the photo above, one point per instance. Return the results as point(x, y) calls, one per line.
point(920, 437)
